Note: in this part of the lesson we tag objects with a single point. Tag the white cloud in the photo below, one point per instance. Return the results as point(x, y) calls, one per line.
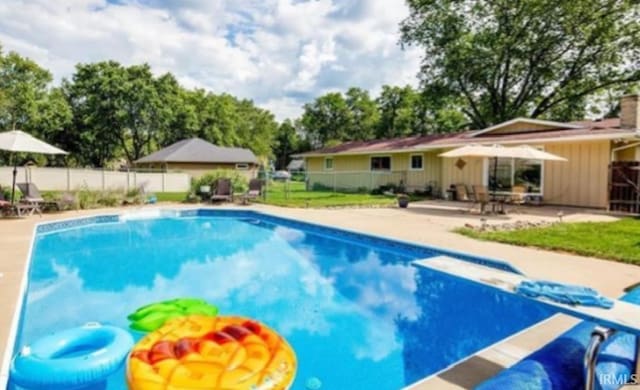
point(280, 53)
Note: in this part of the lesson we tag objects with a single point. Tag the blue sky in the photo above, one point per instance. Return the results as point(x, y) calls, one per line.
point(280, 53)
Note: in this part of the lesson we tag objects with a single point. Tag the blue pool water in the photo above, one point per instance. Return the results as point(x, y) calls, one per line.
point(357, 313)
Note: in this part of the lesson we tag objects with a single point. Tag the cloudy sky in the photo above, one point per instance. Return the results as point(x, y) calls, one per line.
point(280, 53)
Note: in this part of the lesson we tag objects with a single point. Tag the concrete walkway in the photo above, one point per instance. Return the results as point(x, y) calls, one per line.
point(426, 223)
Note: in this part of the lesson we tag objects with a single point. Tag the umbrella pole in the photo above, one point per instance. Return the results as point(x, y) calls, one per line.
point(15, 173)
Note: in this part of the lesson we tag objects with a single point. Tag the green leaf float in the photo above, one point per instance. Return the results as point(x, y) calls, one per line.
point(150, 317)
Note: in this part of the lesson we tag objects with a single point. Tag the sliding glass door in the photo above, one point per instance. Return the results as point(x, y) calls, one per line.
point(515, 172)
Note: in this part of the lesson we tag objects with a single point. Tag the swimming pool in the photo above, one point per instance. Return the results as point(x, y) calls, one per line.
point(354, 309)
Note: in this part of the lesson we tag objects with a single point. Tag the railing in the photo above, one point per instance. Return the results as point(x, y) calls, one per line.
point(68, 179)
point(369, 180)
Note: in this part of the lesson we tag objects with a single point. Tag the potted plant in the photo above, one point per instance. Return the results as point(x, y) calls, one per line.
point(403, 200)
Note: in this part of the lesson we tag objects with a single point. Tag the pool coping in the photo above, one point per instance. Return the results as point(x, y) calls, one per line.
point(76, 222)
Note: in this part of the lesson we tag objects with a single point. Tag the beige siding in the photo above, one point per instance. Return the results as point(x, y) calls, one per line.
point(314, 164)
point(581, 181)
point(354, 172)
point(471, 174)
point(628, 154)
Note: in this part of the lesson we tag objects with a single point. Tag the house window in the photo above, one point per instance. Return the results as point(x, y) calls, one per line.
point(381, 163)
point(512, 172)
point(242, 167)
point(416, 162)
point(328, 164)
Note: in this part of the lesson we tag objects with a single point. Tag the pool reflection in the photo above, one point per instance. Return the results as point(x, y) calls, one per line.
point(357, 316)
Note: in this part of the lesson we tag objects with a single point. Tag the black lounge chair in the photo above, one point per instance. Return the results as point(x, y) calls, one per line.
point(222, 190)
point(255, 190)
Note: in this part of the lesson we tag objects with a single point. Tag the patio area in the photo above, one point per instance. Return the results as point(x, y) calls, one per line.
point(428, 222)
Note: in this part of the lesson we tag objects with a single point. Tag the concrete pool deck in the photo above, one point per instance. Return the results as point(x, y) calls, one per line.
point(426, 223)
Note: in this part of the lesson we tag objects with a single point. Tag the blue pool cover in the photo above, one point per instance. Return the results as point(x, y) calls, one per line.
point(559, 364)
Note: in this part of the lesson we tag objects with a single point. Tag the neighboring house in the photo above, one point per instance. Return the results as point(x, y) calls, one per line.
point(196, 157)
point(590, 147)
point(296, 165)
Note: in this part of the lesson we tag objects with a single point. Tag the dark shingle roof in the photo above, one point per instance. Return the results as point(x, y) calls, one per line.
point(196, 150)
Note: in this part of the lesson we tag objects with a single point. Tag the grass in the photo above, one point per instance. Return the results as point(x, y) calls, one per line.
point(297, 196)
point(171, 196)
point(619, 240)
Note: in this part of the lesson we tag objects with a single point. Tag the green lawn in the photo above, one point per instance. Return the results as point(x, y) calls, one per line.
point(297, 196)
point(171, 196)
point(619, 240)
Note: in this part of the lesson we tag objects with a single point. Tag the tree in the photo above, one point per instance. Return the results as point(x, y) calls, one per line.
point(51, 121)
point(95, 94)
point(534, 58)
point(120, 109)
point(286, 142)
point(326, 119)
point(433, 113)
point(396, 105)
point(23, 86)
point(363, 114)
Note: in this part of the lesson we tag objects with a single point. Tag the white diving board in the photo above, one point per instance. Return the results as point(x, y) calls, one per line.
point(623, 316)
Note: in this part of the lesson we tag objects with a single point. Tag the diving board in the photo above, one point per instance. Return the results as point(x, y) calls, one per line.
point(622, 316)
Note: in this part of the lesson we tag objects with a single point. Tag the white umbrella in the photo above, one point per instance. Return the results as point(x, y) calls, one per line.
point(19, 141)
point(497, 151)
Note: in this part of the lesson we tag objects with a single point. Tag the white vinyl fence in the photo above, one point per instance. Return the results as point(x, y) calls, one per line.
point(69, 179)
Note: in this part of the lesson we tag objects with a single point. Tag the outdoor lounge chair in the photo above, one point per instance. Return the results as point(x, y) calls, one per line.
point(18, 209)
point(31, 195)
point(255, 190)
point(222, 190)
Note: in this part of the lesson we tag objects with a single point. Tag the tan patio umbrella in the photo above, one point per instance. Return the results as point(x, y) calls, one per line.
point(497, 151)
point(18, 141)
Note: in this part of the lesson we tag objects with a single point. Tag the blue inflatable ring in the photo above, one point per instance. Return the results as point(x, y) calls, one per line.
point(73, 358)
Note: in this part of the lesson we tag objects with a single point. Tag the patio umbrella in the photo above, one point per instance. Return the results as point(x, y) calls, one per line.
point(497, 151)
point(17, 141)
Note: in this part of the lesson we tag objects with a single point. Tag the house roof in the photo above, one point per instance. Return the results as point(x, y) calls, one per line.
point(196, 150)
point(538, 122)
point(296, 164)
point(546, 131)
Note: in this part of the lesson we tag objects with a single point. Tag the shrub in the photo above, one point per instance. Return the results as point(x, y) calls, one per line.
point(134, 196)
point(109, 198)
point(238, 180)
point(321, 187)
point(87, 199)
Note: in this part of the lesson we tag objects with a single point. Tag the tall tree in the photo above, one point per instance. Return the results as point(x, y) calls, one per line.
point(535, 58)
point(326, 119)
point(286, 142)
point(23, 86)
point(95, 93)
point(397, 110)
point(363, 113)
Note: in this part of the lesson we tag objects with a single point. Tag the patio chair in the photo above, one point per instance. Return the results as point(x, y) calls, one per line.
point(255, 190)
point(18, 209)
point(222, 190)
point(480, 197)
point(518, 196)
point(31, 195)
point(461, 193)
